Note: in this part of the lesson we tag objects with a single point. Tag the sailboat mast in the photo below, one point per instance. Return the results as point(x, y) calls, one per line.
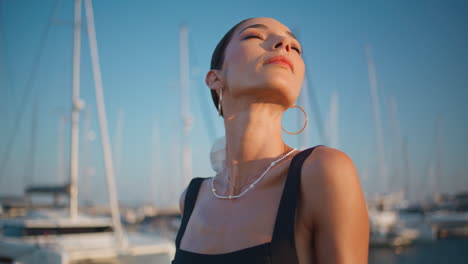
point(61, 149)
point(186, 118)
point(77, 106)
point(119, 131)
point(406, 173)
point(396, 148)
point(332, 124)
point(30, 169)
point(106, 148)
point(381, 165)
point(155, 194)
point(303, 101)
point(439, 172)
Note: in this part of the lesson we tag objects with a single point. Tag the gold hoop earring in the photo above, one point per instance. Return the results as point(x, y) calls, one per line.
point(305, 123)
point(219, 101)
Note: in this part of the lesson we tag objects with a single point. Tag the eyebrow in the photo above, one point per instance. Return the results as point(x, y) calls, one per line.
point(262, 26)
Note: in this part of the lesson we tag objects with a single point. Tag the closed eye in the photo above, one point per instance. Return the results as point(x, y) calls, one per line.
point(297, 50)
point(254, 36)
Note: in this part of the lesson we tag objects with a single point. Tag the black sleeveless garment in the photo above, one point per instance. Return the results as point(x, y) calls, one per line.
point(282, 248)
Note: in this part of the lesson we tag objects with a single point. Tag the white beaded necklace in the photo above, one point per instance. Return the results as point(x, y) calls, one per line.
point(213, 189)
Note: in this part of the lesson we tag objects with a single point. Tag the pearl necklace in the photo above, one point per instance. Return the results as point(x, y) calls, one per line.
point(213, 189)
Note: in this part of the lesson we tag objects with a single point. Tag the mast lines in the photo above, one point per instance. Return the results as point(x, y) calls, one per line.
point(30, 170)
point(382, 169)
point(303, 101)
point(316, 109)
point(28, 89)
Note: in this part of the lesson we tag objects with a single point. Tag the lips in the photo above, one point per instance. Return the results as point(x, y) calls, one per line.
point(282, 60)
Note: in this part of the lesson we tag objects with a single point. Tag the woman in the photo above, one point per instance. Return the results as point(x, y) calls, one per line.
point(271, 203)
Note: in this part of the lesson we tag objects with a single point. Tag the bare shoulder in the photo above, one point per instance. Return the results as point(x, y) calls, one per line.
point(328, 165)
point(329, 176)
point(332, 207)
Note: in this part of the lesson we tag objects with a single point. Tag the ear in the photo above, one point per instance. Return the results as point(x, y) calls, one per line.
point(214, 80)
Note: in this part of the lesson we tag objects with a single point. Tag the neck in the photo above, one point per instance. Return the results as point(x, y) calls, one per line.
point(253, 141)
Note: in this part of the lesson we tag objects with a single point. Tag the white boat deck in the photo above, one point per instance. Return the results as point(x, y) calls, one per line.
point(73, 248)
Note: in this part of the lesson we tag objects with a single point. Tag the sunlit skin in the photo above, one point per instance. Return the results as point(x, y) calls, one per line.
point(331, 217)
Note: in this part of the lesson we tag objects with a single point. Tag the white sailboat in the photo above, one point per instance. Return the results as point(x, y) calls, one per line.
point(61, 236)
point(386, 227)
point(50, 236)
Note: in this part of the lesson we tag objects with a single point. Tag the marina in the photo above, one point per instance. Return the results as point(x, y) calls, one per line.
point(437, 236)
point(100, 183)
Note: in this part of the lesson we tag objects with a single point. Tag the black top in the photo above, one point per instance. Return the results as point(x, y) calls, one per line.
point(280, 250)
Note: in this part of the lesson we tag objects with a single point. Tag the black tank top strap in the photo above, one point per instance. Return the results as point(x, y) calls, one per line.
point(283, 248)
point(189, 204)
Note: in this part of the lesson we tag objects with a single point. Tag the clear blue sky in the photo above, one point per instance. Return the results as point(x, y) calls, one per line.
point(419, 48)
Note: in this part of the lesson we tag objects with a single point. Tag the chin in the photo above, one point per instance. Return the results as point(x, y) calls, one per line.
point(279, 89)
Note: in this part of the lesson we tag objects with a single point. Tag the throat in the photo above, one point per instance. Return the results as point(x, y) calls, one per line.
point(236, 181)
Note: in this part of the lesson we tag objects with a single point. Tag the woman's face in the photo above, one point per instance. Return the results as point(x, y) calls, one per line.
point(263, 61)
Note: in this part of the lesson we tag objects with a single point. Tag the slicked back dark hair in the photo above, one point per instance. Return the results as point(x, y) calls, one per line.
point(217, 59)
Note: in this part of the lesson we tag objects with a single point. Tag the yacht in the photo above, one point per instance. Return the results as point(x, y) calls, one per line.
point(387, 229)
point(50, 236)
point(60, 235)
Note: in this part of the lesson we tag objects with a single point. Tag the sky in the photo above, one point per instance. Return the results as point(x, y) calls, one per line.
point(419, 49)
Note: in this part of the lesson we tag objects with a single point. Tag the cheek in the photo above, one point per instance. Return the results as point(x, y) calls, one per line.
point(242, 57)
point(297, 81)
point(240, 66)
point(300, 75)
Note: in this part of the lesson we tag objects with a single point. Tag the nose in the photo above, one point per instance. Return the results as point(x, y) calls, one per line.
point(283, 43)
